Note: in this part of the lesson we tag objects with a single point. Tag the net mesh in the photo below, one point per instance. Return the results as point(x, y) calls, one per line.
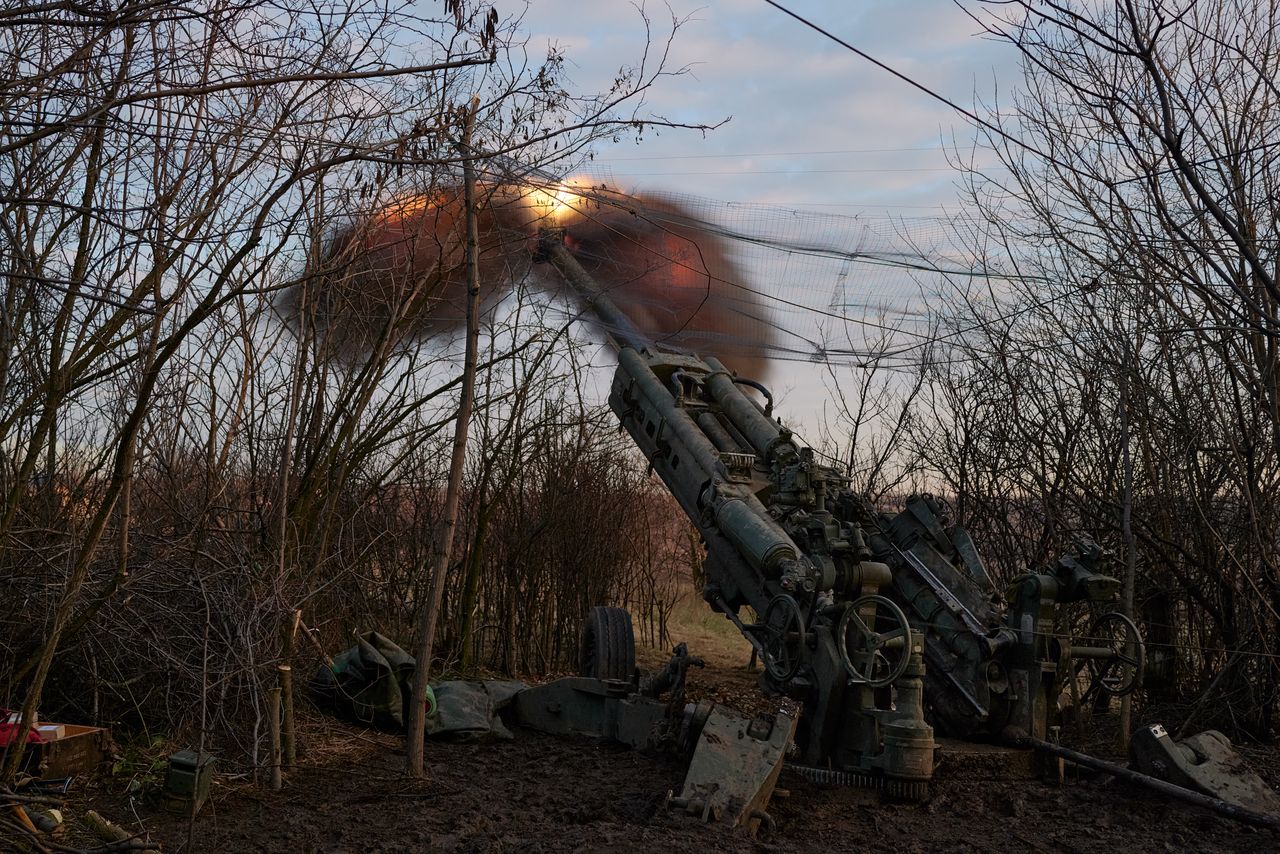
point(788, 284)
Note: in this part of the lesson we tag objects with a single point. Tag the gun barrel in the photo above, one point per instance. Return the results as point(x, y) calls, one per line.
point(691, 466)
point(619, 328)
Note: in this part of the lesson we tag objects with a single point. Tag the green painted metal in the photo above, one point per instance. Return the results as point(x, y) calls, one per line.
point(187, 780)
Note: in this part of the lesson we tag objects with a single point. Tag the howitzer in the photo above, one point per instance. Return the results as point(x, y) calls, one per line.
point(866, 618)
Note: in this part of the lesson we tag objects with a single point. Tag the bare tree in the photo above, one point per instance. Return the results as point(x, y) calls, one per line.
point(167, 177)
point(1123, 382)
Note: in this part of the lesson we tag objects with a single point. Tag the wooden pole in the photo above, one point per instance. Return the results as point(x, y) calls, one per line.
point(288, 733)
point(429, 610)
point(286, 688)
point(273, 726)
point(1126, 522)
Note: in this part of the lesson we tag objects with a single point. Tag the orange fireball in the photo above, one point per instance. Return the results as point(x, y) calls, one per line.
point(673, 277)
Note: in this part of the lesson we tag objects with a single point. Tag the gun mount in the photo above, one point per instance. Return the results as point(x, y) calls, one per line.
point(866, 618)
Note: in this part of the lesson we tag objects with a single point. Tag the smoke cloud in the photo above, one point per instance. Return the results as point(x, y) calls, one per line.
point(666, 269)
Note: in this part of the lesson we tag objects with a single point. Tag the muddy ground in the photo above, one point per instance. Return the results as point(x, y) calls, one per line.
point(544, 793)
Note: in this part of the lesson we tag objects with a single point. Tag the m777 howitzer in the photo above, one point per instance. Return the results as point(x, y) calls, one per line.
point(884, 627)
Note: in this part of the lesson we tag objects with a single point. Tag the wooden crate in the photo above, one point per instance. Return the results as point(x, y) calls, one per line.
point(80, 751)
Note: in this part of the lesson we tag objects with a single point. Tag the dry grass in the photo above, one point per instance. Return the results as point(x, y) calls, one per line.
point(709, 635)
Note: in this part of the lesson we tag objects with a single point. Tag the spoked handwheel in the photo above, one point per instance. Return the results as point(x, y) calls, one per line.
point(782, 634)
point(875, 641)
point(1117, 654)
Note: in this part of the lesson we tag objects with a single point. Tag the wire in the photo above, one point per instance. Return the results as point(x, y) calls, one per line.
point(972, 116)
point(876, 205)
point(911, 169)
point(778, 153)
point(878, 355)
point(996, 129)
point(658, 219)
point(886, 358)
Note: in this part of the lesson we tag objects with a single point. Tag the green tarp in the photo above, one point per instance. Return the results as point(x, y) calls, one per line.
point(370, 684)
point(472, 710)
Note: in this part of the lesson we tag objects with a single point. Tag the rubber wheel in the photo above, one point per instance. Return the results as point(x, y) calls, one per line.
point(607, 649)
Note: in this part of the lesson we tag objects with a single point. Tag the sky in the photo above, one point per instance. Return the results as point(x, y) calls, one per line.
point(811, 126)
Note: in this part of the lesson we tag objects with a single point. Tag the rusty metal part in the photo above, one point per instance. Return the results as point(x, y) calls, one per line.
point(909, 791)
point(702, 808)
point(894, 789)
point(1219, 806)
point(833, 777)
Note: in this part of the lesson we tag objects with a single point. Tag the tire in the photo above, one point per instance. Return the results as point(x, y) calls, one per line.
point(607, 648)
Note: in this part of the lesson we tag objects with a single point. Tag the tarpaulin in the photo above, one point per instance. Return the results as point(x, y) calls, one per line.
point(369, 683)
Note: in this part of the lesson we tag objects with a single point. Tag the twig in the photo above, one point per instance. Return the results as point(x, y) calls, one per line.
point(105, 830)
point(30, 833)
point(14, 797)
point(1208, 692)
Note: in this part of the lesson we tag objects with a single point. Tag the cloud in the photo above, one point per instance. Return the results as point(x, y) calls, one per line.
point(789, 89)
point(792, 93)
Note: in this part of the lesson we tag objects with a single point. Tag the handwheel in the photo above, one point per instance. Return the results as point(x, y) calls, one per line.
point(875, 641)
point(783, 637)
point(1121, 673)
point(607, 646)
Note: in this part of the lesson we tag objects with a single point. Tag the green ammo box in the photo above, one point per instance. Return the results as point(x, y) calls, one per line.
point(187, 780)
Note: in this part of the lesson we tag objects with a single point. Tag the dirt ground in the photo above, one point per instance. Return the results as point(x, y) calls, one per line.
point(545, 793)
point(542, 793)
